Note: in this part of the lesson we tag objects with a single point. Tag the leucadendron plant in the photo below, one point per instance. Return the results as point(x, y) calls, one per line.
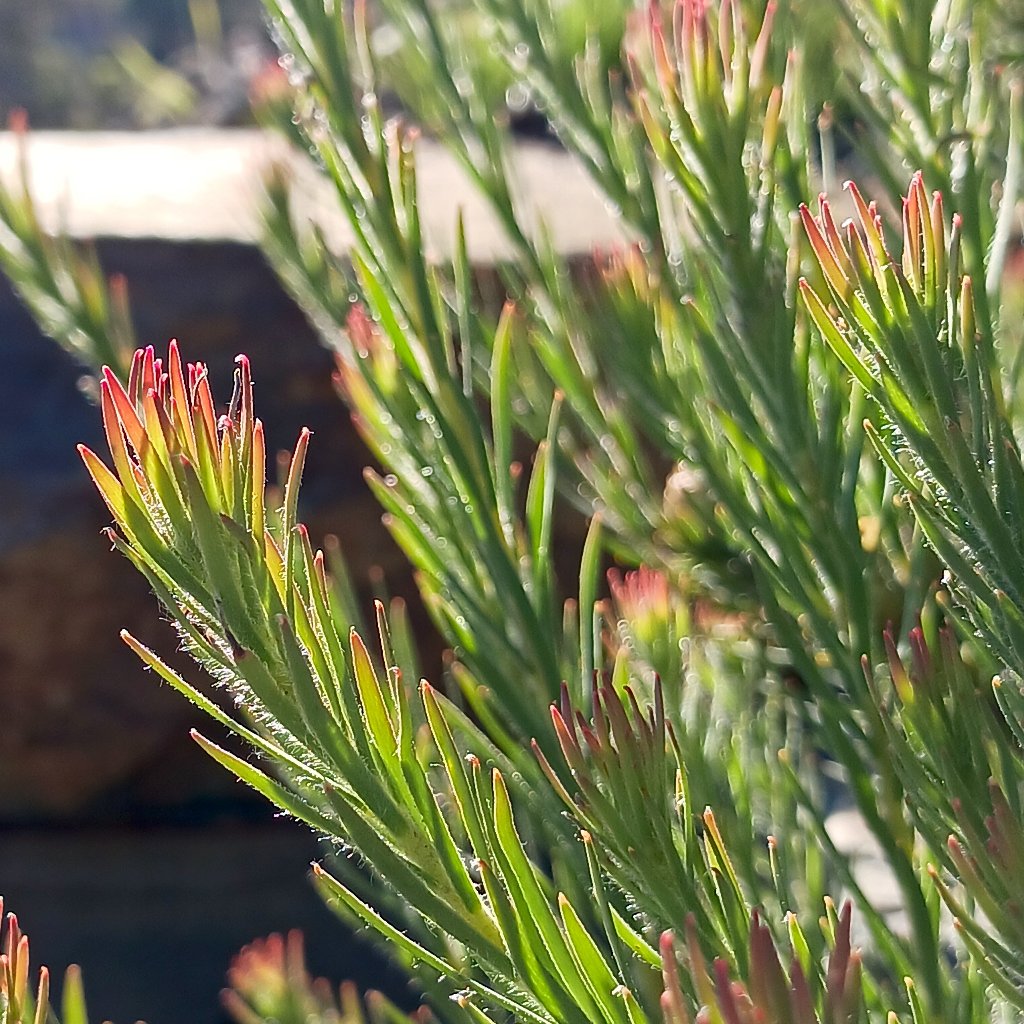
point(268, 980)
point(24, 995)
point(792, 441)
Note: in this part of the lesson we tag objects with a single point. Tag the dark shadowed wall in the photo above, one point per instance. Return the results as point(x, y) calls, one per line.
point(122, 847)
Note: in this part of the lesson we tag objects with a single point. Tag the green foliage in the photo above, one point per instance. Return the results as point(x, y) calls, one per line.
point(61, 284)
point(129, 64)
point(794, 441)
point(20, 1001)
point(909, 334)
point(269, 981)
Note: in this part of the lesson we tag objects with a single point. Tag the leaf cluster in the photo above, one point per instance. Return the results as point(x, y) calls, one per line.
point(793, 437)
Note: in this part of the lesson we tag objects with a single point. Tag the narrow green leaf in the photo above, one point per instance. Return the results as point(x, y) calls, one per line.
point(72, 1004)
point(590, 639)
point(378, 717)
point(277, 794)
point(591, 964)
point(334, 892)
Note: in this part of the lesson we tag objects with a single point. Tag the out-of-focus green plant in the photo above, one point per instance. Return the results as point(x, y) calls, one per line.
point(268, 981)
point(141, 64)
point(792, 439)
point(24, 1000)
point(60, 282)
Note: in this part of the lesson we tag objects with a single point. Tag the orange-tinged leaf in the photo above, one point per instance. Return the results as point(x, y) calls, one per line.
point(672, 1001)
point(127, 413)
point(148, 379)
point(135, 372)
point(42, 996)
point(228, 466)
point(158, 427)
point(938, 231)
point(833, 239)
point(127, 470)
point(182, 405)
point(826, 259)
point(203, 414)
point(759, 55)
point(870, 226)
point(258, 480)
point(909, 260)
point(291, 489)
point(378, 719)
point(662, 61)
point(106, 483)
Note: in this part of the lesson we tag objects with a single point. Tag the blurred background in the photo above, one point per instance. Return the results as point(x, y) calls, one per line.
point(122, 848)
point(102, 64)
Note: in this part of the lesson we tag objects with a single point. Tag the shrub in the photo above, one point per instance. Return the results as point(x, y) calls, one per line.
point(793, 436)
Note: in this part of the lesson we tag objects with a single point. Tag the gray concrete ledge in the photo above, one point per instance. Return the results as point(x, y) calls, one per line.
point(206, 185)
